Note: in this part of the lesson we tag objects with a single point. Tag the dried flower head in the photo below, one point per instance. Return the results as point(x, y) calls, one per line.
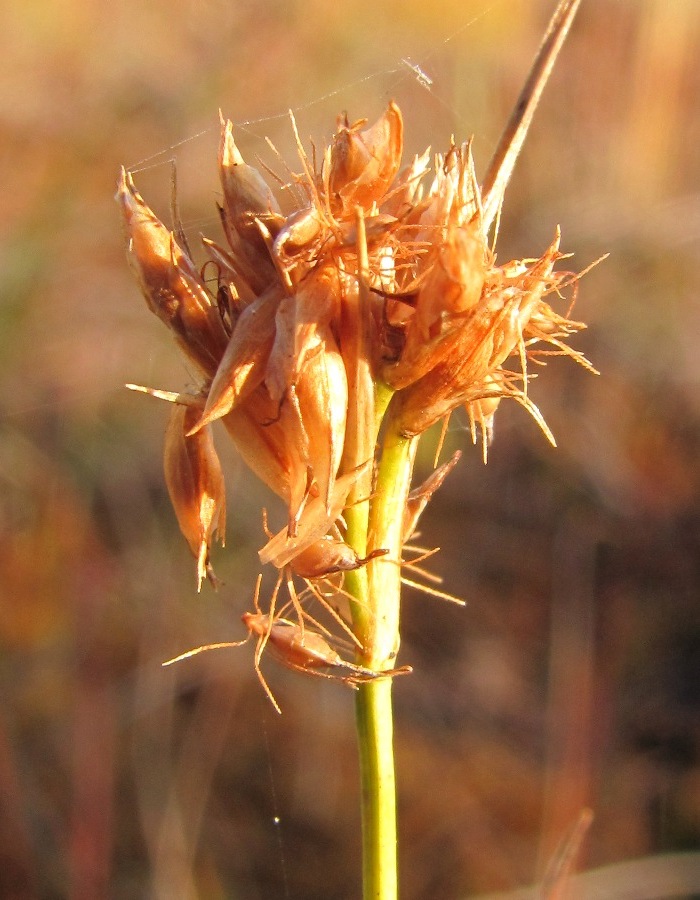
point(382, 286)
point(337, 335)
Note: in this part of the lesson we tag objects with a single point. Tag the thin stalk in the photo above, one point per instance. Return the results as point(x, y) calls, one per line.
point(362, 425)
point(381, 640)
point(373, 521)
point(356, 582)
point(377, 623)
point(503, 161)
point(374, 720)
point(357, 520)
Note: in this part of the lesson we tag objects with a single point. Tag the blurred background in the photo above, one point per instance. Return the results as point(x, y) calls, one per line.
point(571, 678)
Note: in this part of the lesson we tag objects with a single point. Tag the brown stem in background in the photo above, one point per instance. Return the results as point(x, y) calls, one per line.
point(503, 160)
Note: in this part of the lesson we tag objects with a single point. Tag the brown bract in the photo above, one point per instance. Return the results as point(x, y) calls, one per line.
point(195, 484)
point(243, 365)
point(170, 282)
point(248, 203)
point(363, 163)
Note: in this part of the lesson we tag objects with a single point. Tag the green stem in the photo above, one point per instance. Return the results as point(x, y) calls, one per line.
point(374, 720)
point(374, 522)
point(356, 583)
point(380, 634)
point(377, 625)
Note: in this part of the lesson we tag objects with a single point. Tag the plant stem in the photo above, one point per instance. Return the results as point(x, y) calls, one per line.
point(377, 625)
point(375, 741)
point(374, 522)
point(380, 637)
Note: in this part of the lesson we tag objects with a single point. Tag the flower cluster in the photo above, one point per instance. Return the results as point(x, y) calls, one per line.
point(378, 297)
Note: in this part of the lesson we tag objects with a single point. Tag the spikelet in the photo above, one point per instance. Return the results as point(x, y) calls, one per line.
point(364, 163)
point(447, 297)
point(196, 486)
point(170, 282)
point(243, 364)
point(248, 201)
point(469, 365)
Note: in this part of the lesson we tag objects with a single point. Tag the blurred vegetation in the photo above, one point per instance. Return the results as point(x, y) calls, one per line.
point(570, 679)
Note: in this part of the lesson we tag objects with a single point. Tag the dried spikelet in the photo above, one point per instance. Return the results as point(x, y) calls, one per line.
point(322, 390)
point(303, 650)
point(492, 333)
point(364, 163)
point(169, 281)
point(453, 286)
point(328, 556)
point(248, 201)
point(315, 522)
point(262, 441)
point(303, 328)
point(196, 485)
point(247, 195)
point(242, 367)
point(456, 379)
point(446, 298)
point(306, 377)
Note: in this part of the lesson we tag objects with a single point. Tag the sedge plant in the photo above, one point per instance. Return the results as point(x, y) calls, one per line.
point(346, 315)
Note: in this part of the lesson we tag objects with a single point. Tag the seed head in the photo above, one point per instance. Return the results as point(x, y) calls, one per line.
point(378, 278)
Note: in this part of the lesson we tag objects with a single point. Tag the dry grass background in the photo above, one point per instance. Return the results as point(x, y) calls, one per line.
point(571, 679)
